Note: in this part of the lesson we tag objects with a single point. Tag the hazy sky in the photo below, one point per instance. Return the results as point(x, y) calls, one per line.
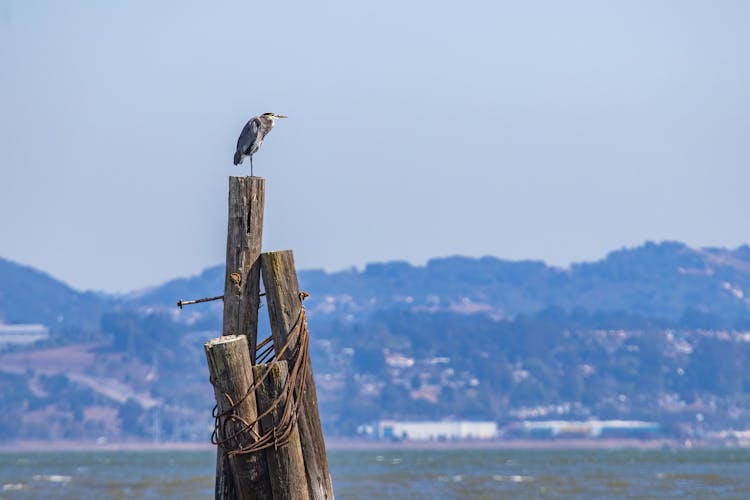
point(554, 130)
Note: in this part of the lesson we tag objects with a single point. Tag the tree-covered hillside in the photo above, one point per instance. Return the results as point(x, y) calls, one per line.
point(660, 332)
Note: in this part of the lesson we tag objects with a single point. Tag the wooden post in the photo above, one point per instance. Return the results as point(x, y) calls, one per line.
point(231, 375)
point(285, 463)
point(284, 303)
point(241, 284)
point(224, 486)
point(242, 280)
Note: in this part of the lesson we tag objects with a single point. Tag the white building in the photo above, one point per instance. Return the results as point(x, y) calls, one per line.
point(22, 334)
point(436, 430)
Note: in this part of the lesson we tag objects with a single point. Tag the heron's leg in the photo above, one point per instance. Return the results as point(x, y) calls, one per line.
point(251, 165)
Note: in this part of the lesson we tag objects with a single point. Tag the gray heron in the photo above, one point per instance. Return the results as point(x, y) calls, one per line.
point(252, 136)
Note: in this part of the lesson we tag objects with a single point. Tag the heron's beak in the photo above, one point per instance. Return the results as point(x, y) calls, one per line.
point(281, 116)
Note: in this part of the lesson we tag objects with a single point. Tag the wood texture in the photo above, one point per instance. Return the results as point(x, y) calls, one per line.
point(286, 466)
point(241, 283)
point(224, 486)
point(242, 278)
point(282, 297)
point(231, 375)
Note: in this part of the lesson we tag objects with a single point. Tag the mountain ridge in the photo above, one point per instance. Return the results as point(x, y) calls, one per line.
point(663, 279)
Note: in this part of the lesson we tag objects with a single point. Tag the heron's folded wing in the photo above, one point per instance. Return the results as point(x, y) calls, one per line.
point(248, 136)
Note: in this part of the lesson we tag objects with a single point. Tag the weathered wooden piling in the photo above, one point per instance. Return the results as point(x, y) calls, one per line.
point(242, 280)
point(281, 454)
point(232, 377)
point(284, 310)
point(241, 283)
point(286, 466)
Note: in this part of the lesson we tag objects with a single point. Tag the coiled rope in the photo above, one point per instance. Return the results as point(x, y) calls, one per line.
point(238, 436)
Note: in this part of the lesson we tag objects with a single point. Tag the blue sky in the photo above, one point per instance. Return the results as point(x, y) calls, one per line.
point(544, 129)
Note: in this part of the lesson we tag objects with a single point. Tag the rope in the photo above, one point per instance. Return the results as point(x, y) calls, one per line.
point(232, 432)
point(266, 355)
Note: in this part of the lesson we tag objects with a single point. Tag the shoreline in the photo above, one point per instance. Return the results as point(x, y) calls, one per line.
point(338, 444)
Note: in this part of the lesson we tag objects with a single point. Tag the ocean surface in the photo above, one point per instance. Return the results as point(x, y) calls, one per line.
point(594, 474)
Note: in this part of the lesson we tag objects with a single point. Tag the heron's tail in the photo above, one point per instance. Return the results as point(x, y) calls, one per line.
point(237, 158)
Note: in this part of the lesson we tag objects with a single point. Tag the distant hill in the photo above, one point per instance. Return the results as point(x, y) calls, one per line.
point(659, 332)
point(31, 296)
point(666, 280)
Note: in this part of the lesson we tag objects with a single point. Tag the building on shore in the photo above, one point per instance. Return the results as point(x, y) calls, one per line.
point(583, 429)
point(22, 335)
point(435, 430)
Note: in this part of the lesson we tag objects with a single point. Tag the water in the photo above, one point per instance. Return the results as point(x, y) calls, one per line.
point(124, 474)
point(593, 474)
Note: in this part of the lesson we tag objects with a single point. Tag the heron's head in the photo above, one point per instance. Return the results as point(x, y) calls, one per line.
point(273, 116)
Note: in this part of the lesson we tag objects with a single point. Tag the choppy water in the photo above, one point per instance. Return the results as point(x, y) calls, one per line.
point(398, 474)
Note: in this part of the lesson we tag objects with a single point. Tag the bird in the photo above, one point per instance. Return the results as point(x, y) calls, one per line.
point(252, 136)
